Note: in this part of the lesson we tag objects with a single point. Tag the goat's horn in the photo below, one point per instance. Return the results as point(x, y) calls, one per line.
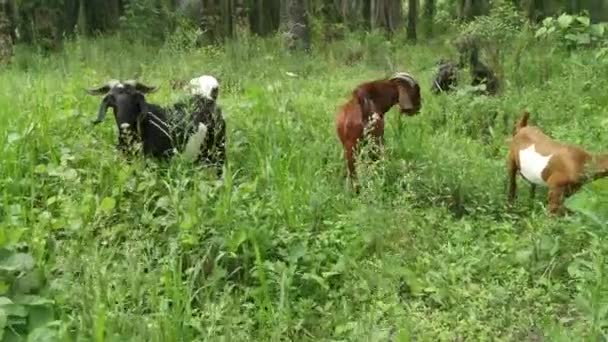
point(405, 77)
point(104, 88)
point(99, 90)
point(144, 88)
point(103, 108)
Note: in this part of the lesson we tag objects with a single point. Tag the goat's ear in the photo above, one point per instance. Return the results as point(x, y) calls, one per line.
point(99, 90)
point(103, 108)
point(405, 100)
point(144, 88)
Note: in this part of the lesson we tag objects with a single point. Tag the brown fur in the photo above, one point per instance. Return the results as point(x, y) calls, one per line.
point(570, 167)
point(366, 99)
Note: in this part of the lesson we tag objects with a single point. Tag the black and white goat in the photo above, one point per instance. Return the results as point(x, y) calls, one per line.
point(193, 127)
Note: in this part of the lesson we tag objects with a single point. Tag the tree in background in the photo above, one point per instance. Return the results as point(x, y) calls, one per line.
point(387, 14)
point(296, 24)
point(429, 16)
point(412, 19)
point(6, 33)
point(47, 22)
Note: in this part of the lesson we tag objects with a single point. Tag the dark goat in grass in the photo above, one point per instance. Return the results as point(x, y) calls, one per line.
point(468, 48)
point(482, 74)
point(446, 78)
point(193, 127)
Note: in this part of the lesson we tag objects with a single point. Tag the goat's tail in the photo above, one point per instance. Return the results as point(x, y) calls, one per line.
point(523, 122)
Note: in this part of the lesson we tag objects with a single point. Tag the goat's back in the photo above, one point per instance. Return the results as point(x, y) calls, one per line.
point(349, 120)
point(568, 158)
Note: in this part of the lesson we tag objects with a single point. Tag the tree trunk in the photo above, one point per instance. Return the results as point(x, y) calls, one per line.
point(536, 10)
point(573, 7)
point(265, 15)
point(366, 11)
point(597, 12)
point(210, 19)
point(240, 16)
point(46, 27)
point(429, 16)
point(6, 35)
point(386, 14)
point(469, 9)
point(465, 10)
point(412, 18)
point(227, 19)
point(101, 16)
point(298, 30)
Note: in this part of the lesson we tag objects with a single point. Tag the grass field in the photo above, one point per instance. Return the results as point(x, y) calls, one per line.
point(280, 250)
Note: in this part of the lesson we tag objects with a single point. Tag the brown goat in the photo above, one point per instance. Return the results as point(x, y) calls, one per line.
point(539, 159)
point(363, 113)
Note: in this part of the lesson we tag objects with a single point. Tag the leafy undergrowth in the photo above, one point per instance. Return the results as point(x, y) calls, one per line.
point(280, 250)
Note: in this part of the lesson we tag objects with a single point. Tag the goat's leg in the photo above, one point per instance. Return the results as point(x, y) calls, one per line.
point(349, 155)
point(556, 198)
point(220, 151)
point(558, 187)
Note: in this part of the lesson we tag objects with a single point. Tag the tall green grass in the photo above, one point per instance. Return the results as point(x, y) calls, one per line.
point(280, 250)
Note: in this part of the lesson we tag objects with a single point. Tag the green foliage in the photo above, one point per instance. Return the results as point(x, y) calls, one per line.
point(185, 37)
point(573, 31)
point(147, 20)
point(24, 311)
point(593, 203)
point(499, 27)
point(496, 31)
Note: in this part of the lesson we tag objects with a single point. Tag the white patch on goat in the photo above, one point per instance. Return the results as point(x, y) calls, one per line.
point(371, 124)
point(203, 85)
point(195, 141)
point(124, 125)
point(532, 165)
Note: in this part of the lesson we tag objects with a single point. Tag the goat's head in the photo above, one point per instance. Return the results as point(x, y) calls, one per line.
point(205, 87)
point(125, 98)
point(409, 93)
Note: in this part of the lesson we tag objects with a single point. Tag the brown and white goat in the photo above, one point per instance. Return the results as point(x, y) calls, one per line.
point(562, 168)
point(363, 113)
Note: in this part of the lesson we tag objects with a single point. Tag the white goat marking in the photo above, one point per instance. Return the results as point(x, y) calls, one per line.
point(371, 124)
point(195, 141)
point(203, 86)
point(532, 165)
